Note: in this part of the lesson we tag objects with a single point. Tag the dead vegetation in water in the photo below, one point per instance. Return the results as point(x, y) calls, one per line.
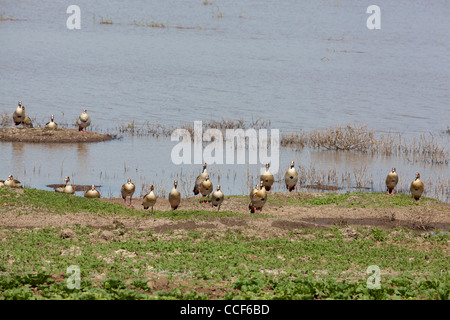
point(158, 130)
point(8, 18)
point(160, 25)
point(360, 138)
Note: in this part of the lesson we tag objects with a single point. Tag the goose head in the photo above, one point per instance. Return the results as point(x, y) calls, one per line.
point(175, 184)
point(218, 187)
point(417, 176)
point(292, 164)
point(393, 170)
point(19, 103)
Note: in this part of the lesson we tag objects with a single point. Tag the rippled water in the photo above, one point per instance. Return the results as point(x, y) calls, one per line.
point(300, 64)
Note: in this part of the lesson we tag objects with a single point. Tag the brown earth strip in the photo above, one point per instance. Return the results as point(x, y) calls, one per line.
point(42, 135)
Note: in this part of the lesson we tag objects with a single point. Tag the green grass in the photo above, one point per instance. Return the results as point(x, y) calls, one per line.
point(58, 202)
point(285, 267)
point(242, 260)
point(348, 199)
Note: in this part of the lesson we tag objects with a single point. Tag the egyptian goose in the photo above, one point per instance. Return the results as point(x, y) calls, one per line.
point(206, 188)
point(127, 190)
point(258, 198)
point(201, 177)
point(11, 182)
point(416, 188)
point(92, 193)
point(252, 194)
point(267, 178)
point(149, 199)
point(83, 121)
point(68, 188)
point(391, 181)
point(217, 198)
point(19, 114)
point(27, 122)
point(291, 177)
point(174, 196)
point(52, 124)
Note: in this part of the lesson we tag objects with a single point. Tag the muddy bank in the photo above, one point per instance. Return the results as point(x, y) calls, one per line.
point(42, 135)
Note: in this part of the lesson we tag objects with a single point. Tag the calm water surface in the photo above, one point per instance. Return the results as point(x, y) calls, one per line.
point(300, 64)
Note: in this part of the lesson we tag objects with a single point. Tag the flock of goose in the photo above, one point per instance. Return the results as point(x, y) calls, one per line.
point(203, 185)
point(19, 117)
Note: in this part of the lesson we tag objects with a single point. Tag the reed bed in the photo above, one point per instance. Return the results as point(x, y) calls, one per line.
point(160, 25)
point(158, 130)
point(5, 119)
point(106, 20)
point(359, 138)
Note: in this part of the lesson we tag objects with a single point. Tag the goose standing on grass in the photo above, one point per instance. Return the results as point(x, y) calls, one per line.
point(83, 121)
point(52, 124)
point(258, 198)
point(391, 181)
point(267, 178)
point(19, 114)
point(68, 188)
point(174, 196)
point(416, 188)
point(206, 188)
point(127, 190)
point(291, 177)
point(11, 182)
point(201, 177)
point(252, 194)
point(217, 198)
point(92, 193)
point(149, 199)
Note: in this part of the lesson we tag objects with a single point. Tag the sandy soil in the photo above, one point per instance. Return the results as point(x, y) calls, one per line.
point(42, 135)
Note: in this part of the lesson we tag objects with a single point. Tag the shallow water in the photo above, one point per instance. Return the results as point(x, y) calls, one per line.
point(300, 64)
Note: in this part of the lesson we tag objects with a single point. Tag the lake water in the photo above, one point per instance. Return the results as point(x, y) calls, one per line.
point(301, 65)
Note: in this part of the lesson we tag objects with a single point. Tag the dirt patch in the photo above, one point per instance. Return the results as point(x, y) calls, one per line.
point(184, 225)
point(290, 225)
point(42, 135)
point(278, 216)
